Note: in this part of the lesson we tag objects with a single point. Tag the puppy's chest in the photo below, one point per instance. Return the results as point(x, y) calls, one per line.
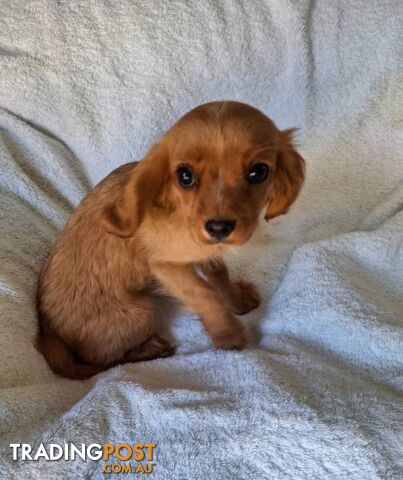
point(182, 249)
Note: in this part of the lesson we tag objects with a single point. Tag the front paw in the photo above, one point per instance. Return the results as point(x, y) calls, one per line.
point(230, 338)
point(244, 297)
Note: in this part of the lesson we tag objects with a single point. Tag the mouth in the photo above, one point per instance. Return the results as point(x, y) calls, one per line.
point(233, 240)
point(223, 241)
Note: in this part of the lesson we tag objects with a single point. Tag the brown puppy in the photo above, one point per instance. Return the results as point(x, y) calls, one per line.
point(199, 191)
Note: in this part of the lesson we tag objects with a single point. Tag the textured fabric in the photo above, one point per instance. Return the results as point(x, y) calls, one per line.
point(87, 86)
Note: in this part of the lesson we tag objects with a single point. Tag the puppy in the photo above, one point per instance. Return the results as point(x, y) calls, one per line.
point(198, 192)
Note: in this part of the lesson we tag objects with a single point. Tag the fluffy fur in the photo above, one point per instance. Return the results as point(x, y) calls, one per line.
point(139, 230)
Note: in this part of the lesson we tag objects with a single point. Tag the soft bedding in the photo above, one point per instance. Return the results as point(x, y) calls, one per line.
point(87, 86)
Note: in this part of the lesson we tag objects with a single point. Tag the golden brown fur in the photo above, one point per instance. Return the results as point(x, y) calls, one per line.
point(140, 228)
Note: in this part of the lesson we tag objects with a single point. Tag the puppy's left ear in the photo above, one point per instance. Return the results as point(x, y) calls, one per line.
point(287, 178)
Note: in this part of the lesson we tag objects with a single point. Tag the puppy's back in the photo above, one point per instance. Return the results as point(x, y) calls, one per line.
point(75, 277)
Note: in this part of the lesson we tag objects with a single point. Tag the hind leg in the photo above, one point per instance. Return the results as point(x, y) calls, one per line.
point(154, 347)
point(123, 331)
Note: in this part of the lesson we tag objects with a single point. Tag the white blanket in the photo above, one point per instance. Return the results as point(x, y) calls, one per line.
point(87, 86)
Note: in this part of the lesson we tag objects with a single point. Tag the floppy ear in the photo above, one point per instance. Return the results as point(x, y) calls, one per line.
point(122, 217)
point(287, 178)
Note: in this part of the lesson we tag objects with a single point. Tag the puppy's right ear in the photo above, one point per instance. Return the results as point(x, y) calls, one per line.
point(146, 182)
point(122, 217)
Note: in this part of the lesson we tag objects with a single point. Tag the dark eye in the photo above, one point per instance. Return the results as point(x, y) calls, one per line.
point(186, 177)
point(258, 173)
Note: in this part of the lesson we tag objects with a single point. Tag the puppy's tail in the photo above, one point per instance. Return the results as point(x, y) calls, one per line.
point(61, 359)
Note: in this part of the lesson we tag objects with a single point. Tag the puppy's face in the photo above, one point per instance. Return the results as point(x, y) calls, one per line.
point(215, 171)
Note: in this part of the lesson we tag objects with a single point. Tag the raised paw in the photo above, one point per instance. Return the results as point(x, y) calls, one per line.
point(244, 297)
point(230, 339)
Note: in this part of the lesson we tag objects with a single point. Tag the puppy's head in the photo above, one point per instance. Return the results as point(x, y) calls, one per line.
point(213, 173)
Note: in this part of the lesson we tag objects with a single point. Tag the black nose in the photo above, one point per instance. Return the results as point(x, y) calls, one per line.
point(219, 229)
